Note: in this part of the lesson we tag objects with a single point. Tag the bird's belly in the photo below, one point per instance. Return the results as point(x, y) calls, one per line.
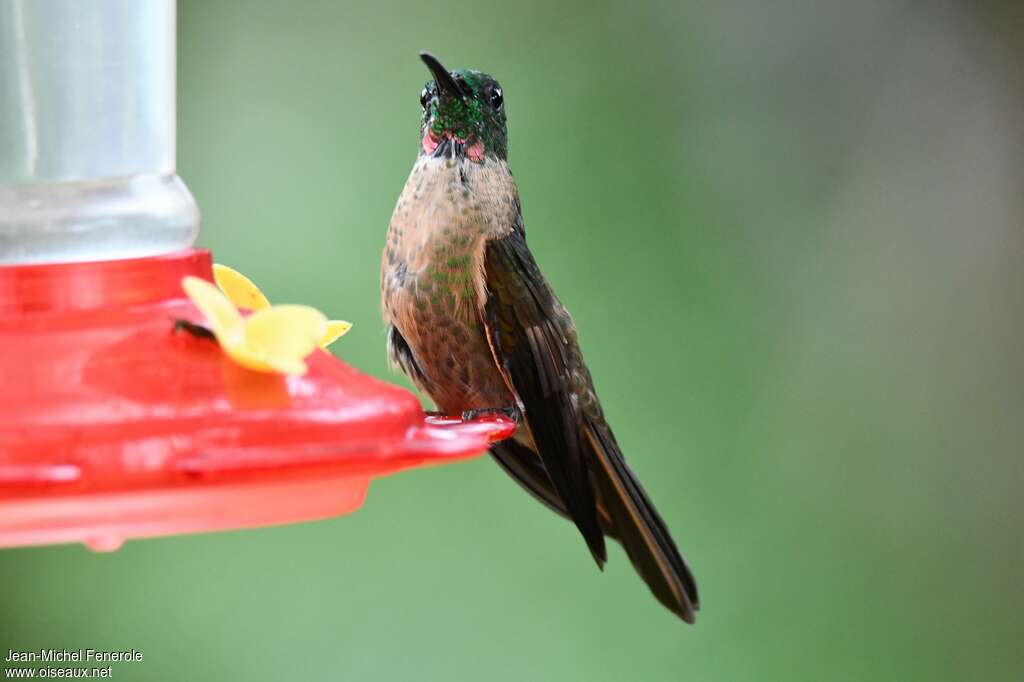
point(451, 349)
point(431, 272)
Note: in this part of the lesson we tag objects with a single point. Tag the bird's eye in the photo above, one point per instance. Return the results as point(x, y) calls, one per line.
point(496, 98)
point(424, 98)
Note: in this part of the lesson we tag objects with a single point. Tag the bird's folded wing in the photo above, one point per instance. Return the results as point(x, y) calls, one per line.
point(529, 346)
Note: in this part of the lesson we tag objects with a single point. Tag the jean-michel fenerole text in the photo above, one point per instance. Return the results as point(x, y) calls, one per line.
point(66, 655)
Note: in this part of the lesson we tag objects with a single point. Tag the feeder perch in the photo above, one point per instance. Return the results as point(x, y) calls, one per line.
point(113, 425)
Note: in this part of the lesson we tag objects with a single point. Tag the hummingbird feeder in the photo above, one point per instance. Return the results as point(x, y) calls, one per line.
point(114, 424)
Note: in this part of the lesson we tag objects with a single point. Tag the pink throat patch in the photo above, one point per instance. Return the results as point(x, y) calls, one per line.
point(475, 151)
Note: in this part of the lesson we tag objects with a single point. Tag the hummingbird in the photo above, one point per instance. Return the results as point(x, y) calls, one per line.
point(474, 324)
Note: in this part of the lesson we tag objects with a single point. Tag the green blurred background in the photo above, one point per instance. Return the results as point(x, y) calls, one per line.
point(791, 237)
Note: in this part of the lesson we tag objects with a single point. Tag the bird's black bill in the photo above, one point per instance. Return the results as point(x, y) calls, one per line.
point(446, 85)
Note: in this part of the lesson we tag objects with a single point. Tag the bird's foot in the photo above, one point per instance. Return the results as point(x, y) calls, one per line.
point(512, 412)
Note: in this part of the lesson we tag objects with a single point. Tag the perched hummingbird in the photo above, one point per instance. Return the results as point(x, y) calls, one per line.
point(474, 324)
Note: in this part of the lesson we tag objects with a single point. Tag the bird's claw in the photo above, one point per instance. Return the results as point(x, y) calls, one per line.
point(512, 412)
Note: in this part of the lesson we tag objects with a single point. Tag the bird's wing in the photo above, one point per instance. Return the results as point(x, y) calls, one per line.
point(401, 356)
point(535, 346)
point(529, 346)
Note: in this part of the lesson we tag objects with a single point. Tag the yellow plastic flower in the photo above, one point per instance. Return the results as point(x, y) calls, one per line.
point(335, 330)
point(273, 339)
point(239, 288)
point(246, 295)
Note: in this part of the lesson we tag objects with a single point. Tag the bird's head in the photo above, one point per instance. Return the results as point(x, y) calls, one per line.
point(463, 114)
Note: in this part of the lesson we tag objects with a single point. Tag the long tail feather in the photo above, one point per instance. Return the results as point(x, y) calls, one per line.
point(524, 466)
point(640, 528)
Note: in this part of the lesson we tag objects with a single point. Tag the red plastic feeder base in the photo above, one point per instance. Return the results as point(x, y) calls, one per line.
point(113, 426)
